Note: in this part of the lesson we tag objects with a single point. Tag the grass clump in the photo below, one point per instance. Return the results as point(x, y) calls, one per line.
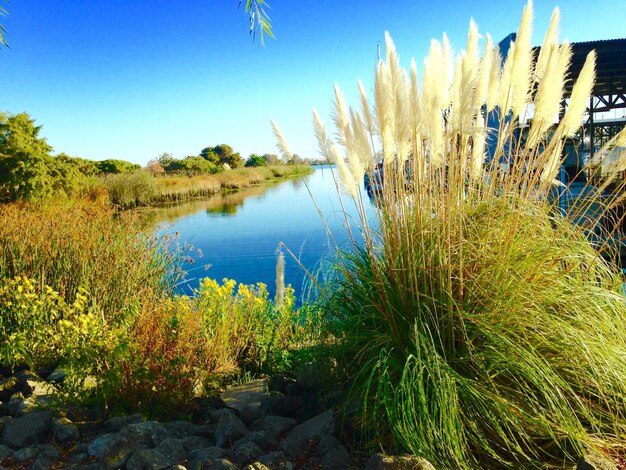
point(482, 327)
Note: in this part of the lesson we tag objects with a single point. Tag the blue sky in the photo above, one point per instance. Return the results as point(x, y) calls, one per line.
point(132, 79)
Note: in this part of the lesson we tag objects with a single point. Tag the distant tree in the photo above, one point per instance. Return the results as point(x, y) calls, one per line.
point(255, 160)
point(297, 160)
point(113, 166)
point(209, 155)
point(196, 166)
point(165, 159)
point(271, 158)
point(155, 168)
point(25, 159)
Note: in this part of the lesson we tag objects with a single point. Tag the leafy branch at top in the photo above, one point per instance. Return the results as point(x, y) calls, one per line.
point(259, 19)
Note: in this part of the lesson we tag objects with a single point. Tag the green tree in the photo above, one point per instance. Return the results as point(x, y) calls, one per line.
point(255, 160)
point(271, 158)
point(109, 166)
point(25, 160)
point(208, 154)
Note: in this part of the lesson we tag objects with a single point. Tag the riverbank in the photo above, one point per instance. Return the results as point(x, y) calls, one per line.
point(127, 191)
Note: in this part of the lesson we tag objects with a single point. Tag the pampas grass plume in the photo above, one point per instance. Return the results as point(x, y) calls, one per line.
point(580, 95)
point(281, 144)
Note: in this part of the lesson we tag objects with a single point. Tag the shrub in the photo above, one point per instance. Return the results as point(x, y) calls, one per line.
point(483, 329)
point(127, 190)
point(255, 160)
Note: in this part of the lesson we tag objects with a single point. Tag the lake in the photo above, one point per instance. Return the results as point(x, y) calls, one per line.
point(239, 234)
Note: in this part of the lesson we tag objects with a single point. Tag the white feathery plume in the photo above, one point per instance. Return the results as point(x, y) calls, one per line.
point(365, 109)
point(345, 175)
point(362, 141)
point(447, 66)
point(414, 101)
point(468, 82)
point(482, 85)
point(580, 94)
point(382, 96)
point(505, 96)
point(551, 39)
point(341, 117)
point(323, 141)
point(357, 156)
point(553, 163)
point(550, 91)
point(614, 153)
point(521, 71)
point(495, 75)
point(281, 144)
point(457, 111)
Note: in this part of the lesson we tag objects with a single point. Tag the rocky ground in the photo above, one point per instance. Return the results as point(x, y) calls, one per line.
point(255, 426)
point(283, 424)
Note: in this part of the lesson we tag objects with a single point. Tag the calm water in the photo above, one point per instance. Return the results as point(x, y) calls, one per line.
point(239, 234)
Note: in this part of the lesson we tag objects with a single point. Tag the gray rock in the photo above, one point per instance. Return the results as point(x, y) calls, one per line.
point(41, 463)
point(327, 443)
point(276, 461)
point(229, 429)
point(3, 421)
point(15, 404)
point(26, 430)
point(98, 445)
point(246, 452)
point(78, 458)
point(220, 464)
point(5, 452)
point(251, 413)
point(263, 439)
point(146, 459)
point(148, 433)
point(48, 451)
point(275, 425)
point(256, 466)
point(116, 423)
point(176, 467)
point(199, 458)
point(27, 453)
point(337, 458)
point(172, 449)
point(63, 431)
point(181, 428)
point(297, 441)
point(118, 450)
point(401, 462)
point(192, 443)
point(57, 376)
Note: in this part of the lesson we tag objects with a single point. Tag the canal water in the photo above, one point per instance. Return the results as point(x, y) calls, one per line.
point(237, 236)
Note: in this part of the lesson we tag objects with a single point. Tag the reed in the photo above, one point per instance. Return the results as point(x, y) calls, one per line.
point(482, 327)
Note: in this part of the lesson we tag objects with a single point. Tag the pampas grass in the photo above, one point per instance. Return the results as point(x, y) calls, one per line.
point(482, 327)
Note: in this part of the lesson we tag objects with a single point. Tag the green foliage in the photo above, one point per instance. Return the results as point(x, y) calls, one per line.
point(191, 166)
point(111, 166)
point(127, 190)
point(255, 160)
point(271, 158)
point(259, 20)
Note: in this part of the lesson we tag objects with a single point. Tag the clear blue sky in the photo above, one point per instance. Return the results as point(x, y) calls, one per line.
point(132, 79)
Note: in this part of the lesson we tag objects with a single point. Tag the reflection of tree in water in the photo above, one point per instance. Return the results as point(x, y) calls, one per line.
point(224, 205)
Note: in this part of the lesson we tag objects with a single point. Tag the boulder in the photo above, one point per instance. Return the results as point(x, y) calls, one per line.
point(246, 452)
point(116, 423)
point(147, 433)
point(26, 430)
point(229, 429)
point(63, 431)
point(337, 458)
point(595, 462)
point(263, 439)
point(279, 405)
point(8, 387)
point(5, 452)
point(198, 459)
point(146, 459)
point(275, 425)
point(401, 462)
point(298, 440)
point(276, 461)
point(181, 429)
point(192, 443)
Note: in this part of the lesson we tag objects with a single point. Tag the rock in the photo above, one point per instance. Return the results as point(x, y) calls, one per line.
point(327, 443)
point(219, 464)
point(26, 430)
point(15, 404)
point(172, 449)
point(192, 443)
point(63, 431)
point(402, 462)
point(256, 466)
point(595, 462)
point(118, 450)
point(98, 445)
point(57, 376)
point(8, 387)
point(292, 389)
point(337, 458)
point(5, 452)
point(276, 461)
point(146, 459)
point(261, 438)
point(275, 425)
point(248, 394)
point(116, 423)
point(280, 405)
point(298, 439)
point(48, 450)
point(149, 433)
point(27, 453)
point(251, 413)
point(181, 429)
point(198, 459)
point(229, 429)
point(246, 452)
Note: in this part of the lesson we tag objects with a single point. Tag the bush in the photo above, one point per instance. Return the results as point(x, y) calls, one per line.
point(483, 329)
point(128, 190)
point(255, 160)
